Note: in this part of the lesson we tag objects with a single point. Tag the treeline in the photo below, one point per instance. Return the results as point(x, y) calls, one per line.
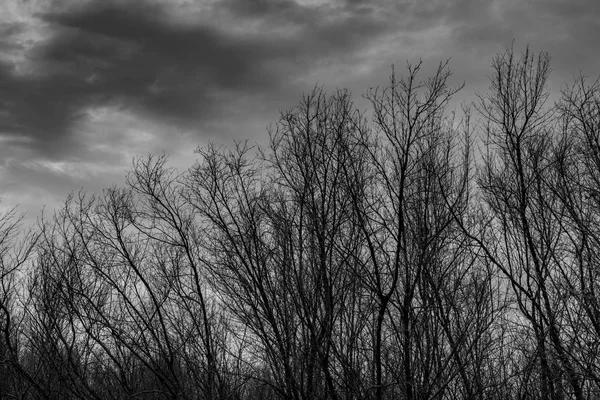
point(407, 254)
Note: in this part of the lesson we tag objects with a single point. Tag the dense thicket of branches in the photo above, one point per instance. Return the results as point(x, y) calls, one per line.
point(359, 256)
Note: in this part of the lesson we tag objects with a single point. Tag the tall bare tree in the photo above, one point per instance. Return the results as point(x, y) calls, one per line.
point(523, 237)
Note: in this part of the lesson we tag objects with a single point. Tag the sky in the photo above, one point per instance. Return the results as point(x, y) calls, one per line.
point(86, 85)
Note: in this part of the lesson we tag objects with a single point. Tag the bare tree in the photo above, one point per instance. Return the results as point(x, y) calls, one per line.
point(119, 298)
point(434, 303)
point(16, 247)
point(283, 249)
point(523, 237)
point(574, 182)
point(352, 258)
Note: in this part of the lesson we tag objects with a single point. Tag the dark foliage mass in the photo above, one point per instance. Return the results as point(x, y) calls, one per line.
point(357, 257)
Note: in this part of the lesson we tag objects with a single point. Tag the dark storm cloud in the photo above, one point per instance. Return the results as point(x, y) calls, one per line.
point(128, 54)
point(36, 109)
point(85, 85)
point(166, 70)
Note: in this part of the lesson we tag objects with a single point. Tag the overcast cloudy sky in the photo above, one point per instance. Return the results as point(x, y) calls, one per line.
point(86, 85)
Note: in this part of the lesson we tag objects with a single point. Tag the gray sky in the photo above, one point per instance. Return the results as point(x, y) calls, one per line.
point(86, 85)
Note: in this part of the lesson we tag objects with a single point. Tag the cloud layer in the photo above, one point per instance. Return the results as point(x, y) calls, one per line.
point(85, 85)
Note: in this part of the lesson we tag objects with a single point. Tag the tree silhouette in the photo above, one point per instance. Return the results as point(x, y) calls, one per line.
point(357, 256)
